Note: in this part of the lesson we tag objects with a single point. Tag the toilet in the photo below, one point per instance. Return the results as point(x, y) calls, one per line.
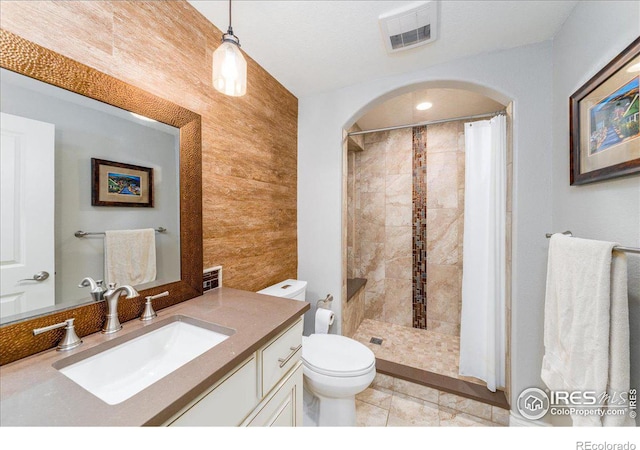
point(335, 368)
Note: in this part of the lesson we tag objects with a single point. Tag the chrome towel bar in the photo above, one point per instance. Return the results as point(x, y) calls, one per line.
point(81, 234)
point(617, 247)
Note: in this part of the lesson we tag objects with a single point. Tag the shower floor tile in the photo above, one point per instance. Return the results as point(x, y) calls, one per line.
point(422, 349)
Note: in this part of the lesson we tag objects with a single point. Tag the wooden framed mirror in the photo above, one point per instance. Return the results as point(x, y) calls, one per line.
point(26, 58)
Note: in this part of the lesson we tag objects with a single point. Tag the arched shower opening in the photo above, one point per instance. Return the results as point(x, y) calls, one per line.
point(404, 189)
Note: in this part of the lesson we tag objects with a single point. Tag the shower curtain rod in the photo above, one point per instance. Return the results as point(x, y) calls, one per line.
point(432, 122)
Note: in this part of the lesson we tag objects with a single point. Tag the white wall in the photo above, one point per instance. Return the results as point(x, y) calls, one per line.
point(522, 75)
point(610, 210)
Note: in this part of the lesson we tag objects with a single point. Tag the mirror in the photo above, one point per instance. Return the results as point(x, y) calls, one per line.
point(171, 146)
point(83, 129)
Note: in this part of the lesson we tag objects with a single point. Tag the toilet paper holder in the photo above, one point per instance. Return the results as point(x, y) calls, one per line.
point(325, 303)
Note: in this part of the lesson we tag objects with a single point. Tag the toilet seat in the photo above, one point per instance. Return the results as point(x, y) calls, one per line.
point(336, 356)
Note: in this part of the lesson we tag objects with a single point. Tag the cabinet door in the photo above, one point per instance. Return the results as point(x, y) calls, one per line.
point(284, 406)
point(280, 356)
point(228, 404)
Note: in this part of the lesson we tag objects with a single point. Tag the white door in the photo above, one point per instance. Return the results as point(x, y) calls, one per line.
point(27, 251)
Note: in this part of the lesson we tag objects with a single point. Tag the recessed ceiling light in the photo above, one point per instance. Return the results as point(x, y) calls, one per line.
point(423, 106)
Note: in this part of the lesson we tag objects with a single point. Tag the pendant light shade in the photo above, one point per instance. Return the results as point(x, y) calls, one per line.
point(229, 66)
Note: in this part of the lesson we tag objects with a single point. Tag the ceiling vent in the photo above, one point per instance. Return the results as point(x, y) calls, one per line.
point(410, 26)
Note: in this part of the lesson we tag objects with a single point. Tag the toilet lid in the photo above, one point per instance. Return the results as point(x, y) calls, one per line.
point(330, 354)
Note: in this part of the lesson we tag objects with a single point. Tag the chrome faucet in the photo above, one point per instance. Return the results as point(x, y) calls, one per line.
point(69, 340)
point(112, 295)
point(96, 288)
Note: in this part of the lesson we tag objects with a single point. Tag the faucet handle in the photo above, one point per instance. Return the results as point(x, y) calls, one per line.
point(111, 286)
point(69, 340)
point(161, 294)
point(149, 312)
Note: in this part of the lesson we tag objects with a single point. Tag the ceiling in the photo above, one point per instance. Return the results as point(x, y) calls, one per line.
point(447, 104)
point(317, 46)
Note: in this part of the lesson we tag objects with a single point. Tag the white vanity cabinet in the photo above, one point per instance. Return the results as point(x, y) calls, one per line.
point(283, 408)
point(264, 390)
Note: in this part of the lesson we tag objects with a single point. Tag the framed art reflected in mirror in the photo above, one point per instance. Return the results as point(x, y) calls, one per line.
point(120, 184)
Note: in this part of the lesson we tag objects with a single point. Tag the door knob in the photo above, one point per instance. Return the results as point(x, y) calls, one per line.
point(40, 276)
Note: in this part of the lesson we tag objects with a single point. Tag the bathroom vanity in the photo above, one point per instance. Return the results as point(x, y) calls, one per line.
point(264, 390)
point(252, 378)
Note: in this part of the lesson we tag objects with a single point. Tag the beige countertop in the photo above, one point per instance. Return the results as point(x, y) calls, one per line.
point(33, 392)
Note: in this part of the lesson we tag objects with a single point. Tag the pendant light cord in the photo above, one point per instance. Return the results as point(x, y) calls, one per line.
point(229, 36)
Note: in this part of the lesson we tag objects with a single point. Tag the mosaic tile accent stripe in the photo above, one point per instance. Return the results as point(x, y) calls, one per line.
point(419, 225)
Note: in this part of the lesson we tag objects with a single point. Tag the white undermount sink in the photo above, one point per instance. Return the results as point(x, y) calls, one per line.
point(118, 369)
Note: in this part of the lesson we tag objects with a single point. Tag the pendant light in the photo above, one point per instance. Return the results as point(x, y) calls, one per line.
point(229, 66)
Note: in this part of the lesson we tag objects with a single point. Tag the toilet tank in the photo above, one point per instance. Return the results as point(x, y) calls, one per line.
point(293, 289)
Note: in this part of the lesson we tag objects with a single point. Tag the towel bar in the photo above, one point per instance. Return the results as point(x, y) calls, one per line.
point(617, 247)
point(81, 234)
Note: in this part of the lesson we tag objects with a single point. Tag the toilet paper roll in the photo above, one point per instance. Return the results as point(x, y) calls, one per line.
point(324, 319)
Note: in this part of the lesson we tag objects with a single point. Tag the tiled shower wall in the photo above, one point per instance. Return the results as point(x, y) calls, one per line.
point(351, 222)
point(382, 212)
point(445, 222)
point(380, 217)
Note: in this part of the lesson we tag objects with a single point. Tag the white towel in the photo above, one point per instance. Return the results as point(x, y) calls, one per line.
point(130, 256)
point(619, 339)
point(586, 323)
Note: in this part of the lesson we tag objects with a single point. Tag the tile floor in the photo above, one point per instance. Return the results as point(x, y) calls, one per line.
point(422, 349)
point(392, 402)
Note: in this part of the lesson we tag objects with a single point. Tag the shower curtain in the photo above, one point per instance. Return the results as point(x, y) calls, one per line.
point(482, 326)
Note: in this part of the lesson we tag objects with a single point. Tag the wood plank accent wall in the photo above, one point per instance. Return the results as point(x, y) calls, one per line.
point(249, 144)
